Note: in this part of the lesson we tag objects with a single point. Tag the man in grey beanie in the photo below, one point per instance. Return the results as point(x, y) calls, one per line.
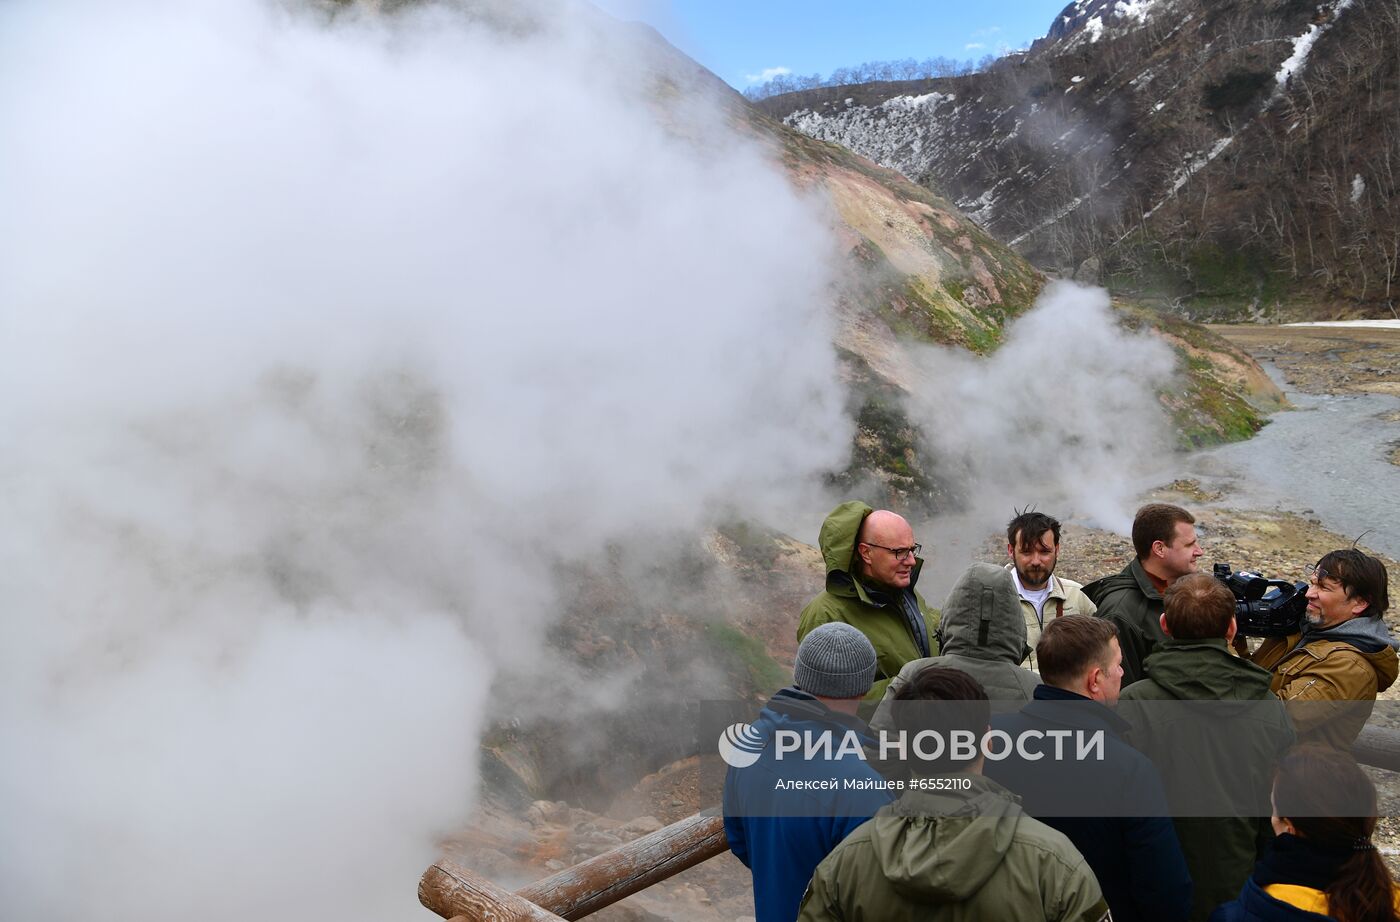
point(784, 812)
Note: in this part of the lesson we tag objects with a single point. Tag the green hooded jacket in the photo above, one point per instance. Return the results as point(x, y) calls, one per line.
point(847, 599)
point(1231, 745)
point(954, 855)
point(1134, 605)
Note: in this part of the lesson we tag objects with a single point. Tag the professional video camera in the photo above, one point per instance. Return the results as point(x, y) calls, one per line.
point(1265, 607)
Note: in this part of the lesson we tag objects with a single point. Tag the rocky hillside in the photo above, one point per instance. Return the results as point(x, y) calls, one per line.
point(918, 269)
point(1225, 153)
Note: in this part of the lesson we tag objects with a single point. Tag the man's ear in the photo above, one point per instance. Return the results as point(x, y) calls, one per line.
point(1231, 631)
point(1093, 680)
point(1162, 620)
point(1159, 548)
point(1011, 551)
point(1358, 605)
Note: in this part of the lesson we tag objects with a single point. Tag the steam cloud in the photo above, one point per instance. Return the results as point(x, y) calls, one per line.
point(1064, 416)
point(323, 340)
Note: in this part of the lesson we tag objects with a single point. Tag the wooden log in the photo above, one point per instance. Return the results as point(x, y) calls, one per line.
point(1378, 746)
point(587, 887)
point(452, 891)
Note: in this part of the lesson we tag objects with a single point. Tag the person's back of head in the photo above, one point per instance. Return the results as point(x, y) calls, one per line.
point(982, 616)
point(948, 703)
point(1322, 796)
point(836, 663)
point(1198, 607)
point(1080, 654)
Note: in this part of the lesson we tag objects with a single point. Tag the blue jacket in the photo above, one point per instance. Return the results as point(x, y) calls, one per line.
point(782, 835)
point(1254, 905)
point(1131, 845)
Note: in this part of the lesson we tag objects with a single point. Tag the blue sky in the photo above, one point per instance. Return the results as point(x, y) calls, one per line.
point(741, 39)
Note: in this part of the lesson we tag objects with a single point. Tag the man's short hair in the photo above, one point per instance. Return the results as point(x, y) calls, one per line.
point(1157, 522)
point(1362, 577)
point(1025, 529)
point(1070, 646)
point(1198, 607)
point(961, 705)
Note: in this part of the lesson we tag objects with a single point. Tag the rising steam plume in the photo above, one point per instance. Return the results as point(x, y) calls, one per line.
point(324, 340)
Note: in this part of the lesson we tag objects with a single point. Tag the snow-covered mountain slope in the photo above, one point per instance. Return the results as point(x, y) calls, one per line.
point(1166, 137)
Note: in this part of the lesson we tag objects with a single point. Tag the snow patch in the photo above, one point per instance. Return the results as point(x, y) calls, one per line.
point(1134, 9)
point(1094, 27)
point(1191, 168)
point(1358, 188)
point(1158, 107)
point(1050, 220)
point(901, 133)
point(1303, 44)
point(1355, 324)
point(1076, 79)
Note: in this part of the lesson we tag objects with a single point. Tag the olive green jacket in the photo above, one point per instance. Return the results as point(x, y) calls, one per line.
point(1231, 744)
point(1134, 605)
point(848, 599)
point(956, 855)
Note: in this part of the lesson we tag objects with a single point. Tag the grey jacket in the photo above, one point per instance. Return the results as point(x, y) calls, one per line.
point(982, 633)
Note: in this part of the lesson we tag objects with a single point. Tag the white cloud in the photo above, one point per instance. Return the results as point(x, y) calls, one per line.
point(973, 46)
point(990, 30)
point(768, 73)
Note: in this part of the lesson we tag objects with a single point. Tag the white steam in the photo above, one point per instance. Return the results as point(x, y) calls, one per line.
point(322, 345)
point(1063, 416)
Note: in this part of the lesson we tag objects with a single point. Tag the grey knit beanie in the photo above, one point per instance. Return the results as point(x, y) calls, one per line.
point(835, 661)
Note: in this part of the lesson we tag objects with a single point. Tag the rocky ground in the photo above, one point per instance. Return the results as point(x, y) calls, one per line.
point(514, 845)
point(1325, 360)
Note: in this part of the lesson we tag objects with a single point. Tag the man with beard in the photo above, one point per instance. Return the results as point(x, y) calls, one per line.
point(1033, 544)
point(1345, 652)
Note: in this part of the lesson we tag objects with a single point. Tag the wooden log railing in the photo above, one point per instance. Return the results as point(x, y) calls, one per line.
point(453, 891)
point(1378, 746)
point(458, 894)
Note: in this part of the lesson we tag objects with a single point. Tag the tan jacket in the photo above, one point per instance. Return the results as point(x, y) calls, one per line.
point(1066, 598)
point(1323, 671)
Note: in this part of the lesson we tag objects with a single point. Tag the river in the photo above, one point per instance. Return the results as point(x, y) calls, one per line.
point(1328, 459)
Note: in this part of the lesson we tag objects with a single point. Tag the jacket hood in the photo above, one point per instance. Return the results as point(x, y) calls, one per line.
point(837, 540)
point(1371, 637)
point(1205, 669)
point(941, 847)
point(791, 707)
point(982, 617)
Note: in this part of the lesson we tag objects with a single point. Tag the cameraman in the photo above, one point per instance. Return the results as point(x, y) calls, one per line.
point(1344, 653)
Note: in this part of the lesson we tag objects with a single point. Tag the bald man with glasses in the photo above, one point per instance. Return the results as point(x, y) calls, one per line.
point(872, 565)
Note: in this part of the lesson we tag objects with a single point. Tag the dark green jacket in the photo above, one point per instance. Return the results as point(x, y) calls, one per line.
point(1134, 605)
point(847, 599)
point(1219, 748)
point(958, 856)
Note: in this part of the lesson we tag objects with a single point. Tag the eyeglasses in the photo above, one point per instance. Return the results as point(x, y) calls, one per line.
point(1315, 574)
point(900, 553)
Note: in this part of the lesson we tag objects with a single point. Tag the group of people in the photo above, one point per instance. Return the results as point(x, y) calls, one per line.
point(1017, 650)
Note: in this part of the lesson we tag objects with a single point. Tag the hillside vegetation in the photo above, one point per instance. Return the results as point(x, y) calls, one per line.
point(1240, 157)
